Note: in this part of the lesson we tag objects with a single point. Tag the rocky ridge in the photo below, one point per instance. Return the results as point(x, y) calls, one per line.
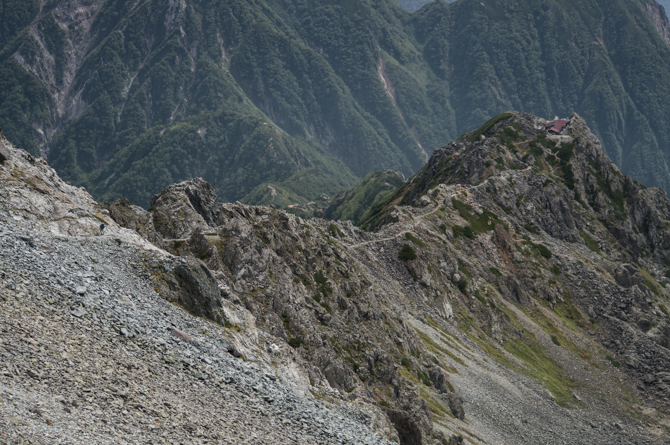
point(510, 292)
point(92, 354)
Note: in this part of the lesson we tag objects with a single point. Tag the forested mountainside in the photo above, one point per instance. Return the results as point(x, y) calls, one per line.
point(354, 204)
point(290, 101)
point(413, 5)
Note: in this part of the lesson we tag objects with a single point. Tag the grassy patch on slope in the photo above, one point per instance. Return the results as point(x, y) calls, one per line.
point(477, 223)
point(535, 361)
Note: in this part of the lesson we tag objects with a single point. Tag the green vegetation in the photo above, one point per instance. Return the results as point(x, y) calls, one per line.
point(539, 249)
point(557, 336)
point(543, 250)
point(531, 228)
point(477, 223)
point(294, 342)
point(480, 298)
point(463, 268)
point(412, 5)
point(488, 126)
point(256, 119)
point(590, 242)
point(407, 253)
point(465, 232)
point(415, 240)
point(614, 363)
point(528, 349)
point(375, 215)
point(335, 231)
point(509, 135)
point(651, 283)
point(263, 239)
point(436, 348)
point(564, 153)
point(423, 378)
point(542, 367)
point(323, 291)
point(569, 313)
point(100, 219)
point(356, 203)
point(616, 196)
point(319, 278)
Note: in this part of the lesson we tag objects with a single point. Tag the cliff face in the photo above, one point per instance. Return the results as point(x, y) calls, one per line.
point(519, 272)
point(659, 18)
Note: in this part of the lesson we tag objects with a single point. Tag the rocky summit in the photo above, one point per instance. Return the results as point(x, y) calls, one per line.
point(513, 291)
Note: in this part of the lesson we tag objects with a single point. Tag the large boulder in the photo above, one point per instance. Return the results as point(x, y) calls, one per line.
point(192, 286)
point(413, 420)
point(182, 208)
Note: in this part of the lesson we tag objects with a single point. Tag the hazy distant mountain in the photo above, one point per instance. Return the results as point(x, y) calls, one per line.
point(289, 101)
point(666, 5)
point(413, 5)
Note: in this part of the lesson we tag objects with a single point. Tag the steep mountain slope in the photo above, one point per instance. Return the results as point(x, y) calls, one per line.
point(233, 91)
point(353, 204)
point(514, 291)
point(283, 101)
point(517, 271)
point(91, 353)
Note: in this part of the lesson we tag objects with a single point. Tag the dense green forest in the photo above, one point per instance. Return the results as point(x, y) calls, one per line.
point(287, 101)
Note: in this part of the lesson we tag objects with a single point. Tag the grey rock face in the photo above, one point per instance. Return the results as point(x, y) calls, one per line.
point(627, 275)
point(5, 152)
point(408, 431)
point(182, 208)
point(197, 290)
point(340, 376)
point(134, 218)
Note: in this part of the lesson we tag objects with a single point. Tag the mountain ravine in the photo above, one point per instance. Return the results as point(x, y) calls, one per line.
point(512, 291)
